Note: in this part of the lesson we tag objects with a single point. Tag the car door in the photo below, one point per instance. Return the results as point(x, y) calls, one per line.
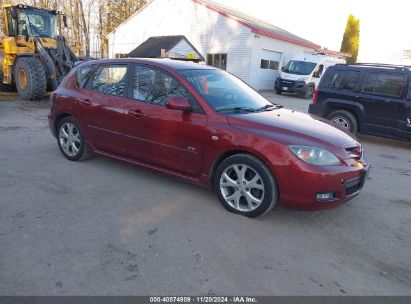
point(154, 134)
point(101, 107)
point(382, 98)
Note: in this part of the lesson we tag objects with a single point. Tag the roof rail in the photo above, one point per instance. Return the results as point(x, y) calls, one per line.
point(379, 65)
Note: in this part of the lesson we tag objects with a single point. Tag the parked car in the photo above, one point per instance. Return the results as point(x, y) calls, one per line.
point(303, 73)
point(207, 127)
point(367, 98)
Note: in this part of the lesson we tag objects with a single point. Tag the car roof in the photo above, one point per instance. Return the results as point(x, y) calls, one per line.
point(167, 63)
point(374, 66)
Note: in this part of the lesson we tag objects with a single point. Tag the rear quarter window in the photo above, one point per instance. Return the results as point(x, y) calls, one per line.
point(83, 75)
point(342, 80)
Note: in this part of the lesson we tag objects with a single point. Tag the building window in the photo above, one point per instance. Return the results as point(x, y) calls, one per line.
point(217, 60)
point(120, 55)
point(269, 64)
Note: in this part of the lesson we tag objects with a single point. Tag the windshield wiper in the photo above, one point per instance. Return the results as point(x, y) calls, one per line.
point(239, 109)
point(269, 107)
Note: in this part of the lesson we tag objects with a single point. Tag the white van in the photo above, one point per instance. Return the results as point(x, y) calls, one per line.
point(303, 73)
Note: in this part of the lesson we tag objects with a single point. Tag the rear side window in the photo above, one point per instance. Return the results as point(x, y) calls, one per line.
point(344, 80)
point(110, 80)
point(384, 84)
point(83, 74)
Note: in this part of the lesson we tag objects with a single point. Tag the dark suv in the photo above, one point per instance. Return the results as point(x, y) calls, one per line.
point(368, 98)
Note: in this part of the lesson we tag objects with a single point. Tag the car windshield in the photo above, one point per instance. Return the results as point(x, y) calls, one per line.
point(42, 23)
point(299, 67)
point(225, 92)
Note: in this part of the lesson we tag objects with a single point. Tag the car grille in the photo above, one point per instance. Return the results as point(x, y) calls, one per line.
point(287, 83)
point(352, 186)
point(355, 152)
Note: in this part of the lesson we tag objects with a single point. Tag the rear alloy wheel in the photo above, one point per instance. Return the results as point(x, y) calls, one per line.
point(344, 120)
point(70, 139)
point(245, 185)
point(30, 78)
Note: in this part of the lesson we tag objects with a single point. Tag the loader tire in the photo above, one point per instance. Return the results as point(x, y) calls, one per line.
point(30, 78)
point(6, 87)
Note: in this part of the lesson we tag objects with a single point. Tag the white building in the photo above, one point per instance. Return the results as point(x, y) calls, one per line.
point(245, 46)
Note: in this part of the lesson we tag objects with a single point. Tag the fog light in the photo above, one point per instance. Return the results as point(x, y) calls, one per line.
point(326, 196)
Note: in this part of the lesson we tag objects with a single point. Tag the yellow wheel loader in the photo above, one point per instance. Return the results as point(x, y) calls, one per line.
point(34, 57)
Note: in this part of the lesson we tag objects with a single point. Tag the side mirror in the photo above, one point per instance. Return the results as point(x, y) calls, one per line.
point(65, 20)
point(178, 103)
point(282, 69)
point(316, 75)
point(13, 13)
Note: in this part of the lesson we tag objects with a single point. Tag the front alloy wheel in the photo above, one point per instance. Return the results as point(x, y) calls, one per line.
point(245, 185)
point(242, 187)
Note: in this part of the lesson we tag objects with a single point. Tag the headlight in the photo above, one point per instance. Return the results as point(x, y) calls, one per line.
point(315, 156)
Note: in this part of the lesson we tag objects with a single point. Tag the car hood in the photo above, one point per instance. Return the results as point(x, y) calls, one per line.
point(294, 128)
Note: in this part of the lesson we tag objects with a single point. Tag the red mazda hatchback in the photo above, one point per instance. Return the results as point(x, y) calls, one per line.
point(207, 127)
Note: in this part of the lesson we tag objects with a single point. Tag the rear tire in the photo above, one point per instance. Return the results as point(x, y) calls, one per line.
point(71, 140)
point(345, 120)
point(30, 78)
point(245, 185)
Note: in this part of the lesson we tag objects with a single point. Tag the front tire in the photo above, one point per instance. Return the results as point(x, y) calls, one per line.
point(278, 91)
point(30, 78)
point(245, 185)
point(71, 140)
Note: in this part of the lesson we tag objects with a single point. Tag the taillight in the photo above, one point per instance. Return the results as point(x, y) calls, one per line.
point(315, 96)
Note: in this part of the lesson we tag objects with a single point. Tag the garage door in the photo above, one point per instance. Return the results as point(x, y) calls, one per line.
point(270, 61)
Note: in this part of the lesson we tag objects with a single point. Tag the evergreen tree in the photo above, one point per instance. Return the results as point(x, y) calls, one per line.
point(351, 40)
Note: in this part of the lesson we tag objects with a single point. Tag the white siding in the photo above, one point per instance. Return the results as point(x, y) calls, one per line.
point(182, 49)
point(261, 44)
point(208, 31)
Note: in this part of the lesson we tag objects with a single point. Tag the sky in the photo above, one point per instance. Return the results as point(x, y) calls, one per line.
point(385, 29)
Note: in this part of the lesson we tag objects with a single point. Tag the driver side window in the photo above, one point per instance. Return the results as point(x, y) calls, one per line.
point(154, 86)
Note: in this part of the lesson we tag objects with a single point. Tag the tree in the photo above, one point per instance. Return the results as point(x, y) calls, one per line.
point(351, 40)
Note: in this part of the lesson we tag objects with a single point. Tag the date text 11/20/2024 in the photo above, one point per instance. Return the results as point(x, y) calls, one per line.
point(203, 299)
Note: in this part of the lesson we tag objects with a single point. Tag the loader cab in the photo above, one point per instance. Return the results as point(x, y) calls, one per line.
point(27, 21)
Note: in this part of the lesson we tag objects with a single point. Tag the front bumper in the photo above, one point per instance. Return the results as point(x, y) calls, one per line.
point(300, 192)
point(291, 86)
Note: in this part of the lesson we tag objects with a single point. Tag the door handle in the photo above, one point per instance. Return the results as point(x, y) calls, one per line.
point(136, 113)
point(84, 101)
